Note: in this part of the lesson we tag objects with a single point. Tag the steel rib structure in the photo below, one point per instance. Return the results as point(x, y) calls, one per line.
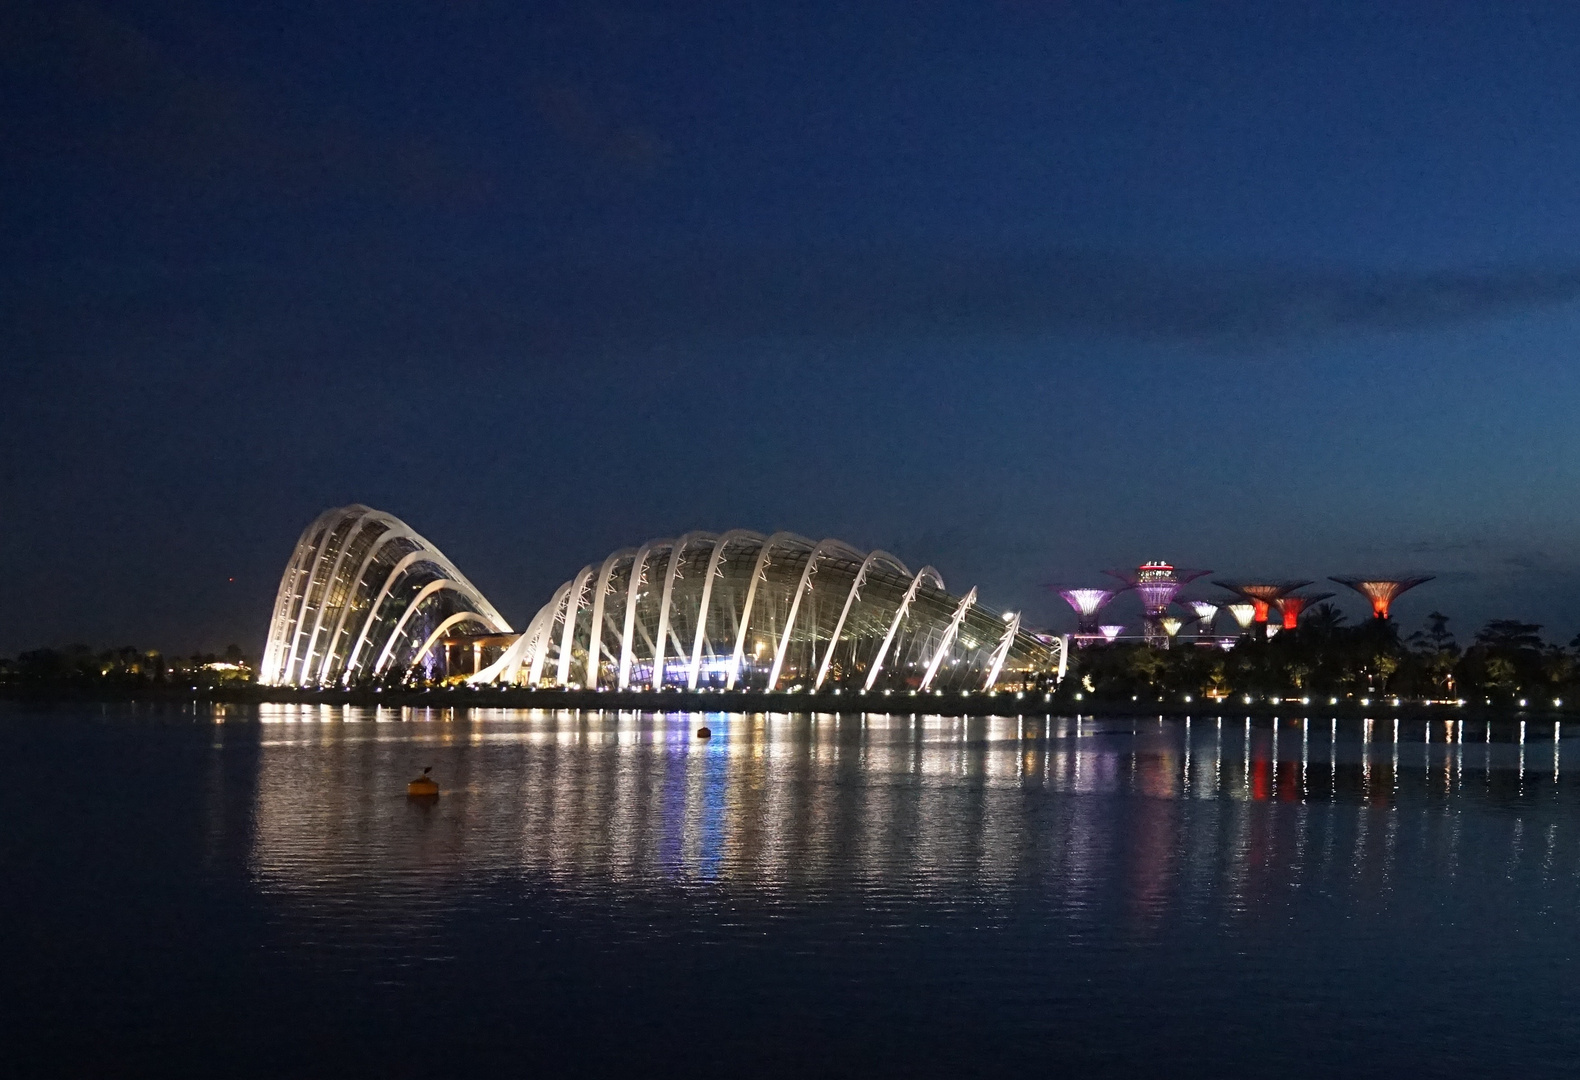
point(733, 610)
point(741, 610)
point(364, 596)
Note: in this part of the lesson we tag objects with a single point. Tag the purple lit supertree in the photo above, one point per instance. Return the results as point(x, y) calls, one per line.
point(1157, 583)
point(1110, 631)
point(1382, 592)
point(1087, 603)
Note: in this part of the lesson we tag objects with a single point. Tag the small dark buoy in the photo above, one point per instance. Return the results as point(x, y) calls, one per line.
point(704, 733)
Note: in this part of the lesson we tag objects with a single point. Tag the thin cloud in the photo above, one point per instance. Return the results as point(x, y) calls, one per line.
point(898, 294)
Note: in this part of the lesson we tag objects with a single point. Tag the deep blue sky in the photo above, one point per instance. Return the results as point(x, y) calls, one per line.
point(1025, 290)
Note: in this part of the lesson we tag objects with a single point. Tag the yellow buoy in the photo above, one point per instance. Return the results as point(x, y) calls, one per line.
point(424, 786)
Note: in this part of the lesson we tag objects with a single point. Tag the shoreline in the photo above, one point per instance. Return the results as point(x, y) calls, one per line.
point(1029, 703)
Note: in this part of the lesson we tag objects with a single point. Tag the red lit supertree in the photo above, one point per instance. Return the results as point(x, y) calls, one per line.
point(1157, 583)
point(1291, 606)
point(1263, 594)
point(1382, 592)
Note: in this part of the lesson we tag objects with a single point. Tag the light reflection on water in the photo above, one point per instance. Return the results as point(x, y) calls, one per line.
point(603, 893)
point(1203, 817)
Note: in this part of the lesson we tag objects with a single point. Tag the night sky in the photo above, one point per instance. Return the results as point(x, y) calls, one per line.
point(1024, 290)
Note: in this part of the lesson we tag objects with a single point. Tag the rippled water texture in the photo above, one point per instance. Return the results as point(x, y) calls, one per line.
point(250, 892)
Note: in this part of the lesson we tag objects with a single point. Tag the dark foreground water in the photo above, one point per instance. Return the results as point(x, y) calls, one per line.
point(250, 893)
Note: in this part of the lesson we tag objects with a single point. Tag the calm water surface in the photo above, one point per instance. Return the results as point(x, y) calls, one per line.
point(249, 892)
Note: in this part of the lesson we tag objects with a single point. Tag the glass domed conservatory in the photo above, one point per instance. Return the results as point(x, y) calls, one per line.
point(365, 598)
point(737, 610)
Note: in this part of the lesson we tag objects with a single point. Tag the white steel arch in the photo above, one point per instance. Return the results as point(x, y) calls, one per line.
point(949, 636)
point(356, 523)
point(410, 559)
point(894, 626)
point(751, 598)
point(850, 598)
point(1001, 653)
point(573, 609)
point(398, 530)
point(438, 631)
point(285, 598)
point(707, 594)
point(670, 575)
point(307, 594)
point(533, 638)
point(633, 589)
point(435, 586)
point(802, 588)
point(540, 636)
point(318, 606)
point(595, 632)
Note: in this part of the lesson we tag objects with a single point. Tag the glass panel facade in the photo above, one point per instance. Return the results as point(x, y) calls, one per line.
point(365, 599)
point(361, 594)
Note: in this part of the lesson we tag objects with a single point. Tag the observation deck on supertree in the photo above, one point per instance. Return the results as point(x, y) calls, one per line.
point(1157, 583)
point(1087, 603)
point(1382, 592)
point(1263, 594)
point(1291, 606)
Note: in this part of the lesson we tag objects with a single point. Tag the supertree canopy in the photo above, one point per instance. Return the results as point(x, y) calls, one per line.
point(1157, 583)
point(1263, 594)
point(1382, 592)
point(1110, 631)
point(1204, 610)
point(1087, 603)
point(1291, 607)
point(1243, 611)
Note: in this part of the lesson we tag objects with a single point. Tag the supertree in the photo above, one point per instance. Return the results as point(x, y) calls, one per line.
point(1243, 611)
point(1157, 583)
point(1262, 594)
point(1110, 631)
point(1206, 611)
point(1291, 606)
point(1087, 603)
point(1382, 592)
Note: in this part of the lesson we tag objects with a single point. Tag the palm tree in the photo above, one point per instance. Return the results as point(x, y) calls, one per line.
point(1323, 619)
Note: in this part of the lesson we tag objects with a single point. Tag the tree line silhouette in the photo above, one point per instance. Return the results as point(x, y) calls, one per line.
point(1506, 662)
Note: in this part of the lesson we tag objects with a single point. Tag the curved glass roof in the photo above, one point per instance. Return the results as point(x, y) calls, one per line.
point(740, 610)
point(365, 598)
